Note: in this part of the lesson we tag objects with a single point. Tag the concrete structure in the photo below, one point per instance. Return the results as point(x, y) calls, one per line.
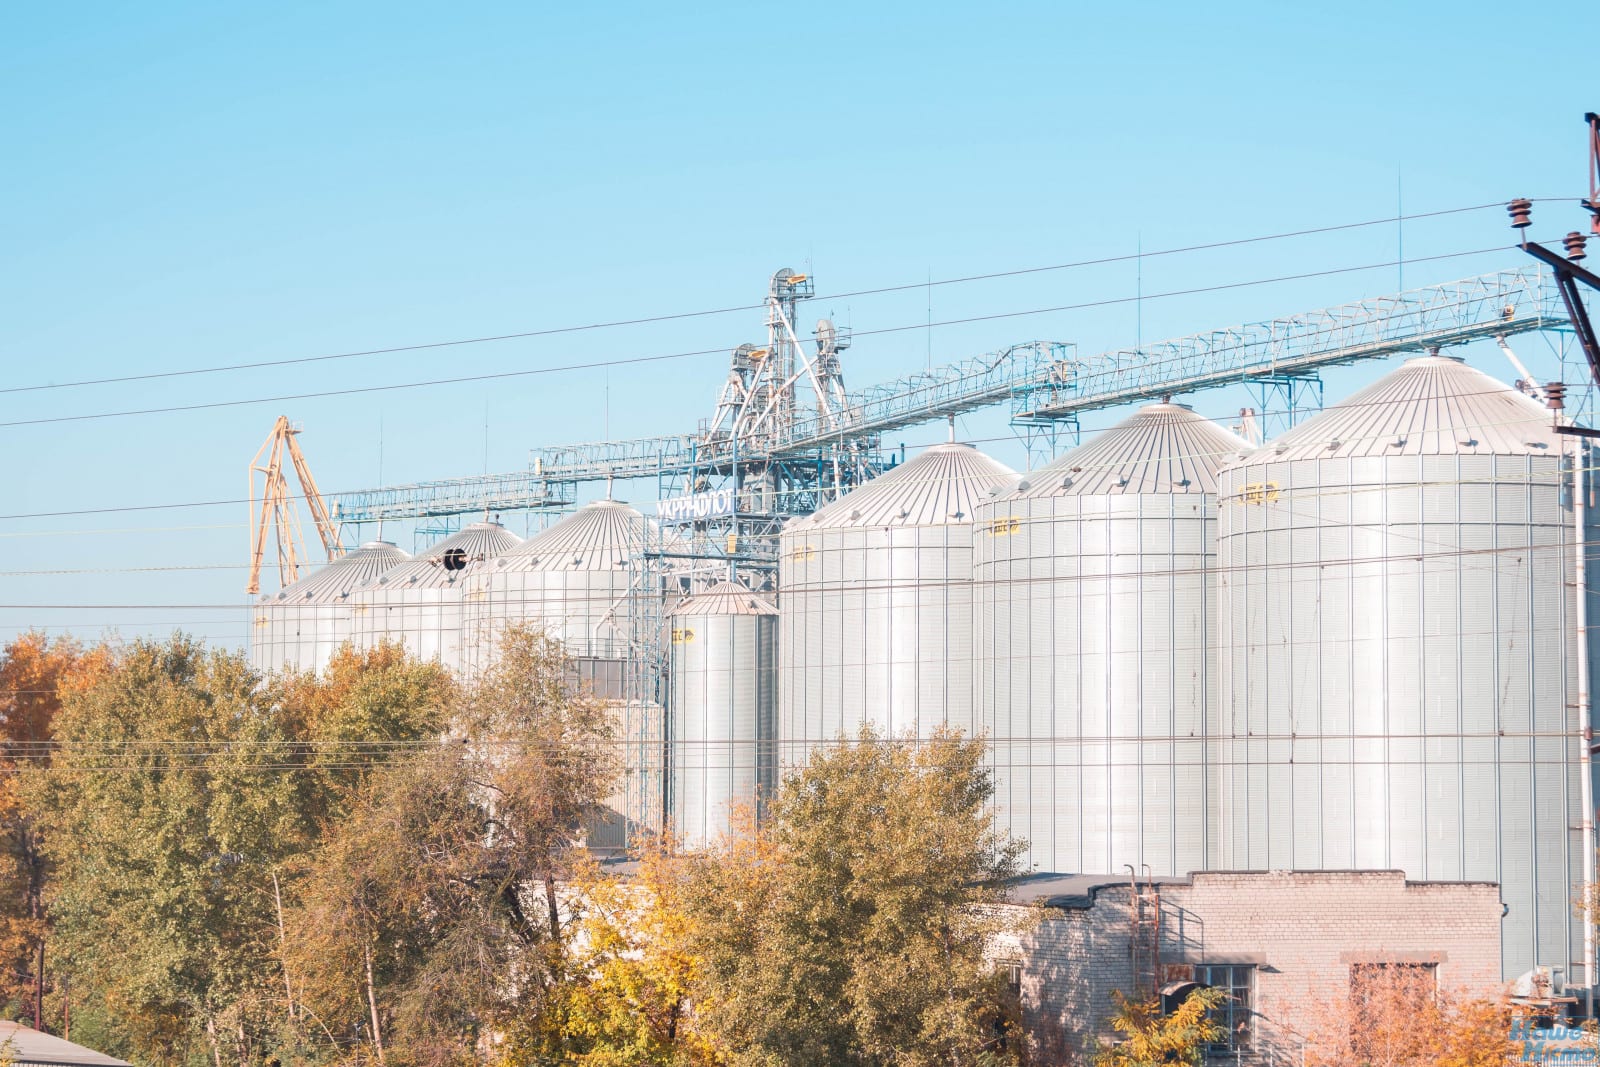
point(1399, 666)
point(23, 1046)
point(302, 626)
point(1286, 943)
point(876, 594)
point(722, 722)
point(1096, 593)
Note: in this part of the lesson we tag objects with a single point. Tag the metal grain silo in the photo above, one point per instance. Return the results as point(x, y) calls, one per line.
point(722, 712)
point(875, 592)
point(1398, 666)
point(303, 625)
point(420, 603)
point(576, 580)
point(1093, 579)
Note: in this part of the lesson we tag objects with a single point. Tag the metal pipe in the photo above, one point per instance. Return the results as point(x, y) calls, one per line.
point(1585, 727)
point(1533, 386)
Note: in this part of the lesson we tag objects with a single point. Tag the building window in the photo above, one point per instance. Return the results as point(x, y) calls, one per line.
point(1234, 1015)
point(1013, 973)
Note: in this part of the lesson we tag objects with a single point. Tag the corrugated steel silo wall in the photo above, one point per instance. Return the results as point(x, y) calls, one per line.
point(877, 628)
point(426, 619)
point(1397, 678)
point(720, 716)
point(592, 612)
point(634, 806)
point(300, 636)
point(1094, 674)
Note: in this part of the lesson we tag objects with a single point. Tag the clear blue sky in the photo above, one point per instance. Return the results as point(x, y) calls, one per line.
point(188, 185)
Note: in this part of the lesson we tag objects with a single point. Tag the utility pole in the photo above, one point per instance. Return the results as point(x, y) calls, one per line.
point(1567, 275)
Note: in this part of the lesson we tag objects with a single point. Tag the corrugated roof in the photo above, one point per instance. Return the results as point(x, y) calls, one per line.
point(1428, 406)
point(1161, 448)
point(600, 536)
point(724, 598)
point(941, 486)
point(334, 581)
point(479, 542)
point(25, 1046)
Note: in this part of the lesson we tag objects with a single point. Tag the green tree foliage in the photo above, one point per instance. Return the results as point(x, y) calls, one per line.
point(852, 929)
point(1152, 1039)
point(163, 812)
point(364, 707)
point(178, 815)
point(430, 918)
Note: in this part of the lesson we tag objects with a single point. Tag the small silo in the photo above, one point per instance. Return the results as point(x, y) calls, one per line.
point(302, 626)
point(1095, 604)
point(722, 710)
point(578, 581)
point(419, 603)
point(1397, 651)
point(876, 595)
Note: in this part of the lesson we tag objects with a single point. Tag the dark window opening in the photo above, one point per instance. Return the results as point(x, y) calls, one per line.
point(1236, 1014)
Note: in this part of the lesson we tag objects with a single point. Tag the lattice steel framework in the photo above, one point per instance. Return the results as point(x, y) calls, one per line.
point(830, 440)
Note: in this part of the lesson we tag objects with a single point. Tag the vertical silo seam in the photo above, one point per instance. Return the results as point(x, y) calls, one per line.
point(1111, 508)
point(1502, 696)
point(897, 556)
point(420, 602)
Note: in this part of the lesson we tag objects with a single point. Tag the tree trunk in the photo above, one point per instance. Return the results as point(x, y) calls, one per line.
point(283, 949)
point(33, 860)
point(211, 1035)
point(372, 1005)
point(38, 989)
point(554, 905)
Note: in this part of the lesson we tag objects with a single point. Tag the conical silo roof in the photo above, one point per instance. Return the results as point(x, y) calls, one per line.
point(939, 487)
point(600, 536)
point(1428, 406)
point(333, 582)
point(724, 598)
point(478, 542)
point(1161, 448)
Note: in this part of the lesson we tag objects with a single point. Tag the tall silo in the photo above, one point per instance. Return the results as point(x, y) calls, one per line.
point(419, 603)
point(1095, 636)
point(577, 580)
point(722, 711)
point(1398, 662)
point(302, 626)
point(876, 595)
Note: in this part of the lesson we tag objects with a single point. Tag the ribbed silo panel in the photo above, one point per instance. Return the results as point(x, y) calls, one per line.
point(1105, 638)
point(1437, 736)
point(887, 594)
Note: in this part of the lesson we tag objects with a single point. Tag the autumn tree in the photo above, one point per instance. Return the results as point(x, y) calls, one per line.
point(429, 918)
point(35, 674)
point(365, 706)
point(1150, 1037)
point(853, 926)
point(626, 995)
point(166, 805)
point(1394, 1014)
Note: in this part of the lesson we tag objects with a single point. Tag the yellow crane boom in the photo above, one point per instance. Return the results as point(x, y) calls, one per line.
point(272, 507)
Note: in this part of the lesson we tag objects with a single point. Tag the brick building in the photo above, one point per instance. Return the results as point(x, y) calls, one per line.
point(1285, 944)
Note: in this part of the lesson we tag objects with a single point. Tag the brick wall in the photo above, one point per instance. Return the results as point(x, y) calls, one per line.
point(1301, 931)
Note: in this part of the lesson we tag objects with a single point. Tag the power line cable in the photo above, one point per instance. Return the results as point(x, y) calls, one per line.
point(649, 319)
point(673, 356)
point(233, 502)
